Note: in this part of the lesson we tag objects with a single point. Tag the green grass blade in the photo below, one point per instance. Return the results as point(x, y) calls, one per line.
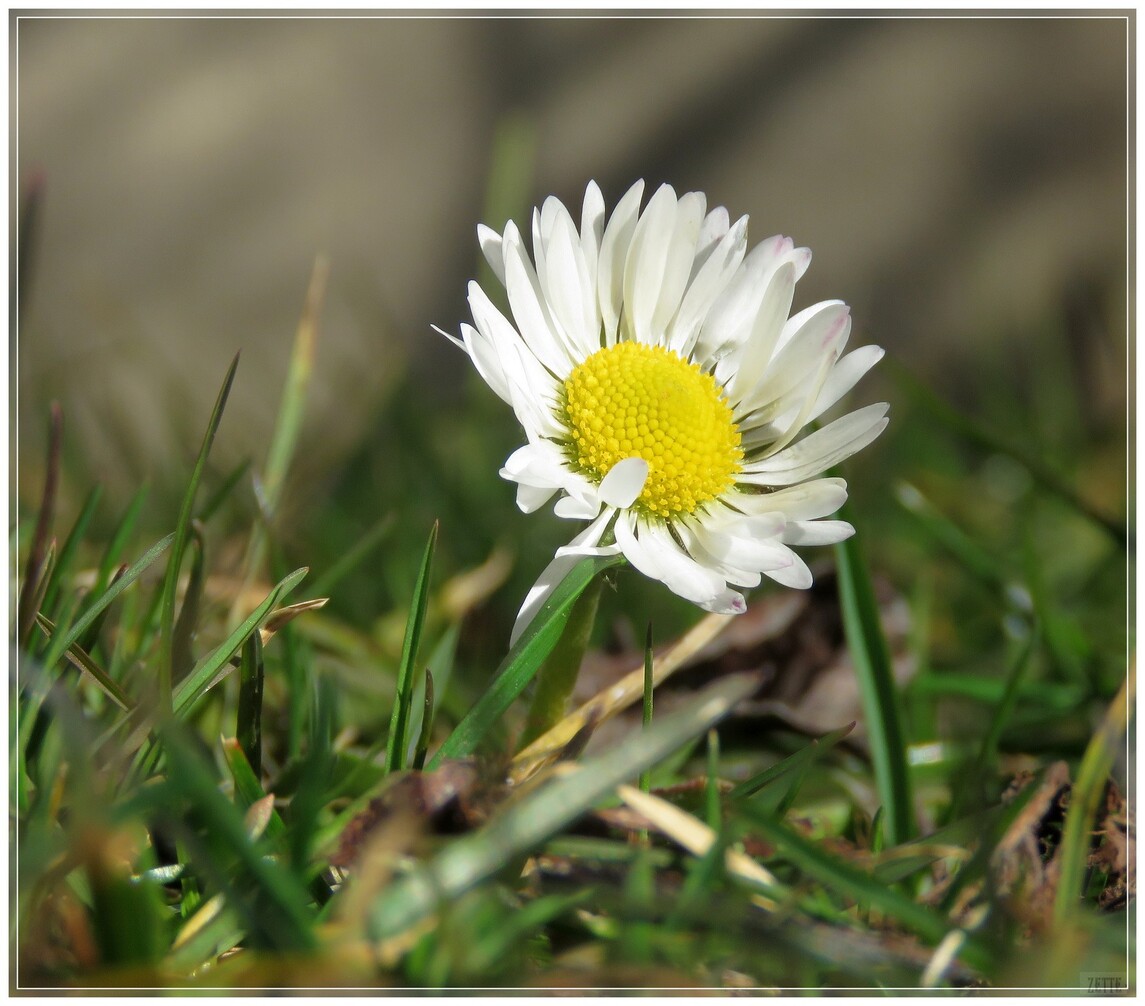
point(290, 414)
point(84, 662)
point(398, 742)
point(849, 881)
point(61, 642)
point(789, 764)
point(557, 675)
point(248, 789)
point(65, 558)
point(315, 777)
point(181, 656)
point(219, 496)
point(712, 809)
point(270, 483)
point(421, 749)
point(647, 702)
point(523, 660)
point(981, 563)
point(118, 541)
point(1005, 707)
point(248, 717)
point(1088, 788)
point(165, 665)
point(209, 671)
point(528, 822)
point(986, 438)
point(325, 583)
point(272, 901)
point(868, 649)
point(34, 568)
point(44, 577)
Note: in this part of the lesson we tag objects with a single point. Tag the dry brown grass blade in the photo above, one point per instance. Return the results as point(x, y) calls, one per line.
point(695, 836)
point(611, 700)
point(281, 616)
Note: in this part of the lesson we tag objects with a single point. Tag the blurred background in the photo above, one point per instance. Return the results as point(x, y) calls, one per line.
point(961, 181)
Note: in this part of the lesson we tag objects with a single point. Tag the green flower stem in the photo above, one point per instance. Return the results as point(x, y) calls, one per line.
point(557, 676)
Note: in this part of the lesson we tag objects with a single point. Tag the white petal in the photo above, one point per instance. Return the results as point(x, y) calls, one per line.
point(647, 255)
point(565, 559)
point(820, 450)
point(484, 356)
point(819, 338)
point(490, 242)
point(694, 537)
point(542, 465)
point(624, 483)
point(709, 282)
point(535, 464)
point(503, 339)
point(678, 264)
point(733, 310)
point(759, 554)
point(591, 231)
point(570, 292)
point(531, 498)
point(613, 255)
point(726, 602)
point(844, 376)
point(805, 501)
point(579, 507)
point(529, 311)
point(753, 361)
point(817, 532)
point(651, 549)
point(712, 231)
point(732, 317)
point(795, 408)
point(793, 574)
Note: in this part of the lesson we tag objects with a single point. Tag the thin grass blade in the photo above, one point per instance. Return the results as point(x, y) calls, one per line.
point(61, 642)
point(165, 665)
point(325, 583)
point(34, 568)
point(523, 660)
point(248, 789)
point(209, 671)
point(182, 658)
point(426, 731)
point(271, 900)
point(536, 816)
point(611, 700)
point(398, 742)
point(248, 717)
point(116, 545)
point(851, 882)
point(1092, 774)
point(868, 648)
point(65, 558)
point(83, 661)
point(789, 764)
point(646, 708)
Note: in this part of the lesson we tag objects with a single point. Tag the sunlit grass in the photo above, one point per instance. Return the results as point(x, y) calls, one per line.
point(218, 727)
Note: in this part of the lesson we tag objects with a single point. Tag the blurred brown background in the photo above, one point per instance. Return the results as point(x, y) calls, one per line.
point(960, 181)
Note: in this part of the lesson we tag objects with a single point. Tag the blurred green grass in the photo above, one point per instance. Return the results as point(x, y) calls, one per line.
point(148, 855)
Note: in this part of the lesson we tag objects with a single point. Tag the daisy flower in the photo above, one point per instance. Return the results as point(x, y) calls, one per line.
point(663, 389)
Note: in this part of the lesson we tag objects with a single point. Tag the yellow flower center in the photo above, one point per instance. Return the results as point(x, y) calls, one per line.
point(633, 400)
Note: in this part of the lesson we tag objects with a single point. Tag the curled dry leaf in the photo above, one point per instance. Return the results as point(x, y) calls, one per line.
point(1026, 863)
